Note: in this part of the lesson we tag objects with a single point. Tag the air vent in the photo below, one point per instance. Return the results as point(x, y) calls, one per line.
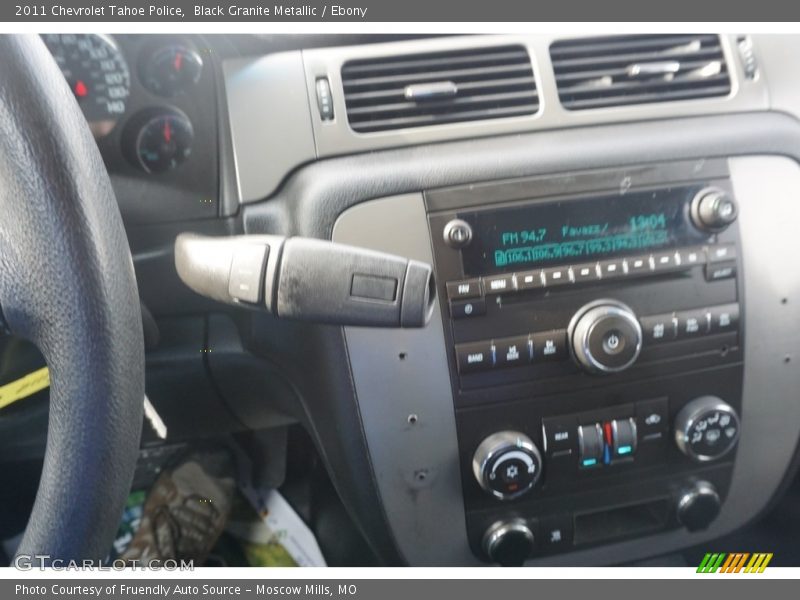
point(418, 90)
point(638, 69)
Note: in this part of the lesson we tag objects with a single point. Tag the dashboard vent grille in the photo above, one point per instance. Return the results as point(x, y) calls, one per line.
point(638, 69)
point(418, 90)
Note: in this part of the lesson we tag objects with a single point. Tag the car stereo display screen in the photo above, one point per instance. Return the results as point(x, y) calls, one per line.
point(572, 231)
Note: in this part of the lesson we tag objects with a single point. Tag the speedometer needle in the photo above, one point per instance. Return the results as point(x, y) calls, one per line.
point(167, 132)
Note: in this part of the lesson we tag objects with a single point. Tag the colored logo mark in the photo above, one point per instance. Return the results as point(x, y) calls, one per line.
point(735, 562)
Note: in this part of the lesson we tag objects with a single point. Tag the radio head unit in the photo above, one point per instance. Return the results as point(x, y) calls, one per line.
point(595, 335)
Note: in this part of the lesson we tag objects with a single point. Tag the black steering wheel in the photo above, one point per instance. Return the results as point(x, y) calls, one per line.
point(67, 284)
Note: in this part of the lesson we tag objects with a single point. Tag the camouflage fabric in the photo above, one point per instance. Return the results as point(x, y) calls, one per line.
point(183, 516)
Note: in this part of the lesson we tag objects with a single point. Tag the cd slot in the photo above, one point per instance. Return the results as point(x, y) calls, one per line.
point(621, 522)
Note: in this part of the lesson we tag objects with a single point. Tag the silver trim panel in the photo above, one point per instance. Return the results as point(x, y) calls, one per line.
point(426, 513)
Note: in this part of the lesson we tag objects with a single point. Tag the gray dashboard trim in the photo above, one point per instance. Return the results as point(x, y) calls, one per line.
point(416, 464)
point(269, 120)
point(315, 196)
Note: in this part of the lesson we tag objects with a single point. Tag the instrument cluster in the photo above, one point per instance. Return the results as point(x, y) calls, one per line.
point(134, 85)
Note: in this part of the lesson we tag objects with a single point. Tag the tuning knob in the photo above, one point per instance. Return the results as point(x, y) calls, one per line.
point(507, 464)
point(509, 543)
point(706, 429)
point(605, 337)
point(713, 210)
point(698, 506)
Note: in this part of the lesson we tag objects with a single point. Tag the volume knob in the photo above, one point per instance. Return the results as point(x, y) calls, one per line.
point(507, 464)
point(509, 543)
point(698, 506)
point(713, 210)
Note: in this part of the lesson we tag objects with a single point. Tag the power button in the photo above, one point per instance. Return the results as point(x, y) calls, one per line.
point(457, 233)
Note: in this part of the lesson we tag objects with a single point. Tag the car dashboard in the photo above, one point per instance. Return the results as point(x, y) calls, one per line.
point(609, 369)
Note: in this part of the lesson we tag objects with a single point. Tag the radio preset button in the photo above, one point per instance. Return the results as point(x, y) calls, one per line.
point(463, 309)
point(611, 269)
point(665, 261)
point(549, 345)
point(513, 351)
point(690, 257)
point(724, 318)
point(556, 276)
point(499, 284)
point(586, 272)
point(638, 265)
point(469, 288)
point(474, 357)
point(658, 328)
point(530, 280)
point(692, 323)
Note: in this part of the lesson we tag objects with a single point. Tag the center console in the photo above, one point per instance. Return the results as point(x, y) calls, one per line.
point(594, 327)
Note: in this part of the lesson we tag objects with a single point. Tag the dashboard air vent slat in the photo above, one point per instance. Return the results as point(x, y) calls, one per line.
point(417, 90)
point(638, 69)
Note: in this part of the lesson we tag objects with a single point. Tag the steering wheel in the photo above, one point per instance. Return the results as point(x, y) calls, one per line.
point(67, 284)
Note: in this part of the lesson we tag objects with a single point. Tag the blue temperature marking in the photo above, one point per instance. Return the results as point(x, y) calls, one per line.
point(606, 455)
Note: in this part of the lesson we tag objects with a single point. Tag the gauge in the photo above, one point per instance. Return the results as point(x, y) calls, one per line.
point(171, 70)
point(162, 141)
point(97, 74)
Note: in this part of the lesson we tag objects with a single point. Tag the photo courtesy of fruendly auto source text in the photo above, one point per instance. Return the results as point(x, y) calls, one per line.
point(376, 299)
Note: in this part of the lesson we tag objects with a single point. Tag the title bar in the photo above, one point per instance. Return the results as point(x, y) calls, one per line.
point(441, 11)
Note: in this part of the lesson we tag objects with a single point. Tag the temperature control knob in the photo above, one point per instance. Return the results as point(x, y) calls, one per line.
point(698, 506)
point(713, 210)
point(706, 429)
point(509, 543)
point(507, 464)
point(605, 337)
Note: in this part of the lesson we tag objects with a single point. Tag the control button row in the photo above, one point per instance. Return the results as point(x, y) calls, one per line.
point(545, 346)
point(720, 263)
point(689, 324)
point(606, 441)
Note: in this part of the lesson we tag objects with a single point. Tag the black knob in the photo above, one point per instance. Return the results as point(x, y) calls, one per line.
point(457, 233)
point(698, 506)
point(605, 337)
point(713, 210)
point(706, 429)
point(507, 464)
point(509, 543)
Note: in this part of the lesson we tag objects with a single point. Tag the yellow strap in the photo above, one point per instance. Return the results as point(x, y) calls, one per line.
point(24, 386)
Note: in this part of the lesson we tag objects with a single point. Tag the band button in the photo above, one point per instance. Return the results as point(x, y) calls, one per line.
point(474, 357)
